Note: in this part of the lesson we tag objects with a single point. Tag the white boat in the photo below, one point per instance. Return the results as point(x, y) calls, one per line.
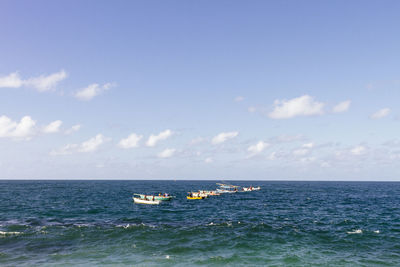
point(162, 197)
point(227, 188)
point(211, 193)
point(199, 194)
point(248, 189)
point(223, 191)
point(146, 201)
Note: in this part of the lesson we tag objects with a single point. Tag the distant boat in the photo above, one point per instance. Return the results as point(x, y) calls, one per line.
point(199, 194)
point(227, 188)
point(145, 201)
point(248, 189)
point(164, 197)
point(193, 197)
point(223, 191)
point(209, 193)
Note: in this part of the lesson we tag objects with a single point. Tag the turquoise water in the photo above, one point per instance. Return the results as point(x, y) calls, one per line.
point(51, 223)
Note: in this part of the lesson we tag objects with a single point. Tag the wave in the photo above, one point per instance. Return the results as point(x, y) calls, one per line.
point(133, 225)
point(357, 231)
point(229, 224)
point(10, 233)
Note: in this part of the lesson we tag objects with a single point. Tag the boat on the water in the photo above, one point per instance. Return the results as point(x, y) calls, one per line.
point(210, 193)
point(198, 194)
point(160, 197)
point(227, 188)
point(223, 191)
point(193, 197)
point(248, 189)
point(145, 201)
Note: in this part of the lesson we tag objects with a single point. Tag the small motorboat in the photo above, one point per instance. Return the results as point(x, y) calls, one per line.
point(146, 201)
point(193, 197)
point(248, 189)
point(227, 188)
point(198, 194)
point(161, 197)
point(213, 193)
point(224, 191)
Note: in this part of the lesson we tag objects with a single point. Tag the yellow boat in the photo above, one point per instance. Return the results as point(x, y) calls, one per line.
point(194, 197)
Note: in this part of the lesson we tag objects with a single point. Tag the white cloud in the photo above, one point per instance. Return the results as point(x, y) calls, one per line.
point(239, 99)
point(92, 90)
point(258, 148)
point(154, 139)
point(304, 150)
point(93, 143)
point(74, 128)
point(208, 160)
point(13, 80)
point(131, 141)
point(45, 83)
point(53, 127)
point(23, 129)
point(342, 106)
point(301, 106)
point(167, 153)
point(272, 156)
point(307, 159)
point(65, 150)
point(222, 137)
point(308, 145)
point(301, 152)
point(196, 141)
point(41, 83)
point(358, 150)
point(90, 145)
point(380, 113)
point(325, 164)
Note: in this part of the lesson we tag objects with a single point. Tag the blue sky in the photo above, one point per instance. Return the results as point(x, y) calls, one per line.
point(298, 90)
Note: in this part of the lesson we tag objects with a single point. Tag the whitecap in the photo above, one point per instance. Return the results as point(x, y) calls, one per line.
point(357, 231)
point(377, 231)
point(80, 225)
point(148, 225)
point(128, 225)
point(167, 256)
point(133, 225)
point(10, 233)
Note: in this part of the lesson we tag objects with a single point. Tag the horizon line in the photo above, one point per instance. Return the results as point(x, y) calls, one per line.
point(175, 180)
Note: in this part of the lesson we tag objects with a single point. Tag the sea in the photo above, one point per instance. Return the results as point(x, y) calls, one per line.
point(286, 223)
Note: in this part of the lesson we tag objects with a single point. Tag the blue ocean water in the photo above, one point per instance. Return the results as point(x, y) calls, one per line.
point(51, 223)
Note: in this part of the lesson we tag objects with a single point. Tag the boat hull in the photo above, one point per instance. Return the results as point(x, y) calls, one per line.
point(223, 191)
point(160, 198)
point(191, 198)
point(249, 189)
point(145, 201)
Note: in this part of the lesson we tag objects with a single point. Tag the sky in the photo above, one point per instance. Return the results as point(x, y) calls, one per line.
point(247, 90)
